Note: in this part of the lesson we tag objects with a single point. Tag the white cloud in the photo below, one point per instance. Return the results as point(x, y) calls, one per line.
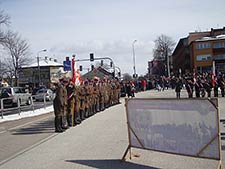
point(108, 28)
point(119, 50)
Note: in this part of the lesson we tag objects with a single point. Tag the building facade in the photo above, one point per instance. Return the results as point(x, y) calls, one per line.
point(208, 50)
point(49, 69)
point(198, 51)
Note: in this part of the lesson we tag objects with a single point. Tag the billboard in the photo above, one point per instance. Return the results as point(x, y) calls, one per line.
point(179, 126)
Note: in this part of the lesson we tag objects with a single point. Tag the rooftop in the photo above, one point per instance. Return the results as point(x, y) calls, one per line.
point(44, 63)
point(211, 38)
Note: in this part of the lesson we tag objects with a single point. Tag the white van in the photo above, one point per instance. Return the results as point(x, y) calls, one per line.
point(13, 95)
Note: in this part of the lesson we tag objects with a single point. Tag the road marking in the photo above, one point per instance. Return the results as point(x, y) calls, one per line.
point(28, 149)
point(13, 128)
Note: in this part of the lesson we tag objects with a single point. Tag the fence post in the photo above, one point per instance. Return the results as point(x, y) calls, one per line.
point(2, 108)
point(18, 104)
point(45, 101)
point(32, 102)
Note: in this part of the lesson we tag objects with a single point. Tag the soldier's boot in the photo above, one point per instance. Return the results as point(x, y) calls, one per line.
point(102, 107)
point(69, 120)
point(64, 123)
point(96, 108)
point(93, 109)
point(77, 118)
point(82, 115)
point(58, 127)
point(86, 113)
point(89, 112)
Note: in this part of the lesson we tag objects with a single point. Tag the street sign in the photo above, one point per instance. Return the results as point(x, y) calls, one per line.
point(67, 65)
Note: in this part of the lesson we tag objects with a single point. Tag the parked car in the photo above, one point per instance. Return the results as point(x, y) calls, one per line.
point(47, 93)
point(13, 95)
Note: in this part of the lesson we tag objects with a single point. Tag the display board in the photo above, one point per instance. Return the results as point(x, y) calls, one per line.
point(179, 126)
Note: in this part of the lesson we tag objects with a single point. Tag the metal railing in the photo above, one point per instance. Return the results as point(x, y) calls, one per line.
point(4, 107)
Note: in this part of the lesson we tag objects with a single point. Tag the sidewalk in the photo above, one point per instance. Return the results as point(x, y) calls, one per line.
point(99, 142)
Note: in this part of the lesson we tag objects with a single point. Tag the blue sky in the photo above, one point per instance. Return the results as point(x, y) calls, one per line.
point(108, 28)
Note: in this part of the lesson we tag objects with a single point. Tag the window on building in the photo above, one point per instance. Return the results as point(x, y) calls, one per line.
point(203, 45)
point(203, 57)
point(219, 45)
point(219, 57)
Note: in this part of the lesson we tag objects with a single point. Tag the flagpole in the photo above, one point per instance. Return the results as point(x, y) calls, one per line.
point(213, 73)
point(73, 69)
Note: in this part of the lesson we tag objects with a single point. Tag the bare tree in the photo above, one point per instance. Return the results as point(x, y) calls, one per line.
point(18, 50)
point(127, 76)
point(4, 21)
point(164, 46)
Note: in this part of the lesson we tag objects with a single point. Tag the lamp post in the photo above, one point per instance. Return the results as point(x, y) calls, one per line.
point(134, 58)
point(38, 60)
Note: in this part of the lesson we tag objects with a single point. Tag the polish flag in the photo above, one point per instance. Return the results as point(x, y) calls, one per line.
point(195, 78)
point(76, 79)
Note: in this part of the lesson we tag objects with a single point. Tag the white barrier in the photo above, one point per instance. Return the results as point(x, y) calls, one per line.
point(186, 126)
point(18, 106)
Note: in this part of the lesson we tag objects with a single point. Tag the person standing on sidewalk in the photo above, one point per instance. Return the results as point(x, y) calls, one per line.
point(59, 104)
point(178, 87)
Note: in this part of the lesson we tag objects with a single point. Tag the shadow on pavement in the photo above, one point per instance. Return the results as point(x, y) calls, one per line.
point(36, 128)
point(222, 121)
point(110, 164)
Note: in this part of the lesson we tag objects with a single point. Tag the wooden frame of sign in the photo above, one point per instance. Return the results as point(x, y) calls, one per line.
point(208, 113)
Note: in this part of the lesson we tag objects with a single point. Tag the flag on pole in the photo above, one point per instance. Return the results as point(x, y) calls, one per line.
point(76, 79)
point(195, 78)
point(213, 73)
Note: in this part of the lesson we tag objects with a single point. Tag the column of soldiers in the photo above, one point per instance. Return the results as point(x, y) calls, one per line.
point(203, 85)
point(73, 104)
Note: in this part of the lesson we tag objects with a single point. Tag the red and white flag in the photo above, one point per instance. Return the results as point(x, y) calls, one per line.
point(76, 79)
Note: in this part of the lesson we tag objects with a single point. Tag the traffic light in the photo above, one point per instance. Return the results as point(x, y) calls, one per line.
point(113, 74)
point(80, 68)
point(92, 67)
point(135, 75)
point(119, 74)
point(92, 57)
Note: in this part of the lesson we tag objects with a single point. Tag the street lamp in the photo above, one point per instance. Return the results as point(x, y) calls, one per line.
point(134, 57)
point(38, 59)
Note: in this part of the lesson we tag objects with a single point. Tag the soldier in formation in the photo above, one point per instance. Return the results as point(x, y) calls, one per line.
point(203, 84)
point(60, 104)
point(73, 104)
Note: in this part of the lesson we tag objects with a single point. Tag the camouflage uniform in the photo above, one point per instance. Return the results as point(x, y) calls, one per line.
point(101, 97)
point(81, 97)
point(70, 103)
point(59, 105)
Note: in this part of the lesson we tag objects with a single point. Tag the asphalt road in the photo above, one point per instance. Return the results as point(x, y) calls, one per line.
point(16, 136)
point(99, 142)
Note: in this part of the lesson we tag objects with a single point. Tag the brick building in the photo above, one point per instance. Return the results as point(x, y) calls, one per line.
point(197, 52)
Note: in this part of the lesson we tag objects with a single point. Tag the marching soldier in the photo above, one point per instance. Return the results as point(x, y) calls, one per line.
point(221, 82)
point(81, 97)
point(118, 90)
point(59, 104)
point(215, 88)
point(65, 82)
point(86, 99)
point(96, 96)
point(70, 103)
point(101, 96)
point(77, 106)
